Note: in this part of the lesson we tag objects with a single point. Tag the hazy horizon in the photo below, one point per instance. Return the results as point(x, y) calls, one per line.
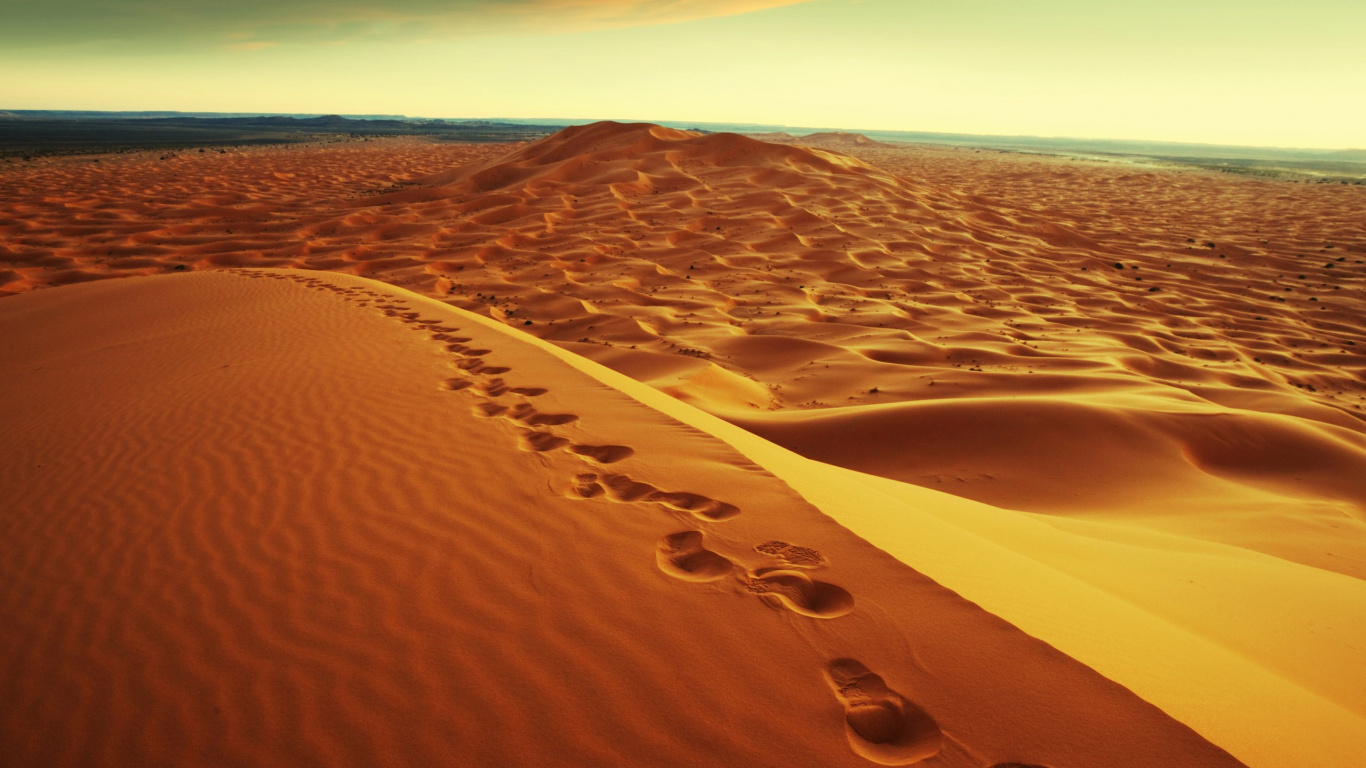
point(739, 127)
point(1249, 74)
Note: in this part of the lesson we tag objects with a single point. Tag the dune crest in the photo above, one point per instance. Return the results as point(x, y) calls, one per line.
point(635, 159)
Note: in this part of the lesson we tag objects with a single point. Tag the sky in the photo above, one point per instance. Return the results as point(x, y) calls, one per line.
point(1246, 72)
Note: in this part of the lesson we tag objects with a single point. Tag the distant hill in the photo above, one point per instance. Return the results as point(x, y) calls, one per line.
point(839, 140)
point(35, 133)
point(774, 137)
point(83, 114)
point(836, 140)
point(501, 129)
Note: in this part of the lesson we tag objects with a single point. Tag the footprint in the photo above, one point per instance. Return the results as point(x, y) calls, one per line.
point(699, 505)
point(489, 409)
point(586, 486)
point(493, 387)
point(800, 593)
point(603, 454)
point(455, 384)
point(623, 488)
point(527, 415)
point(529, 391)
point(881, 725)
point(793, 555)
point(682, 556)
point(539, 442)
point(476, 365)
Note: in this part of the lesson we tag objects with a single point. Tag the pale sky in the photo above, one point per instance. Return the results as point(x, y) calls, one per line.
point(1252, 72)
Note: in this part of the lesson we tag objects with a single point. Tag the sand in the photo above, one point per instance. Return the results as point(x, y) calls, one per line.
point(1168, 487)
point(278, 518)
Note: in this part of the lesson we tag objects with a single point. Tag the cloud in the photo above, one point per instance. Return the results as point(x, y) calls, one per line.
point(254, 45)
point(227, 23)
point(637, 12)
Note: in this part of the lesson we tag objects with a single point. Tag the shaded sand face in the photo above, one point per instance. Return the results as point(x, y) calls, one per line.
point(1167, 365)
point(282, 518)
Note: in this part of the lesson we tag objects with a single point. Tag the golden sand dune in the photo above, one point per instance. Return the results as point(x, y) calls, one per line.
point(283, 518)
point(1142, 386)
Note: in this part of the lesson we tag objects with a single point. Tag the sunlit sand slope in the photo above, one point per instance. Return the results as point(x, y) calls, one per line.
point(282, 518)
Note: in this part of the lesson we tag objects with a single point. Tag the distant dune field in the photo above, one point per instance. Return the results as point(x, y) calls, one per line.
point(1032, 461)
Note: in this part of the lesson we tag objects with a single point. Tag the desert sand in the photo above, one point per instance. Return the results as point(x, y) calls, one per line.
point(1079, 472)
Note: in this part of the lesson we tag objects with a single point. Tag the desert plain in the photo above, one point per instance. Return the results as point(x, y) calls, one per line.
point(640, 446)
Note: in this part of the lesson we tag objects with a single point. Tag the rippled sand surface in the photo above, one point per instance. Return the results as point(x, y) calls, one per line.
point(1117, 406)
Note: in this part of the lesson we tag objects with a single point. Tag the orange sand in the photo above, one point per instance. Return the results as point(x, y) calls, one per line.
point(272, 518)
point(1167, 485)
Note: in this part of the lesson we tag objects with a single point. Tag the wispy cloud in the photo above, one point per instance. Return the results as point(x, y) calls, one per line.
point(258, 23)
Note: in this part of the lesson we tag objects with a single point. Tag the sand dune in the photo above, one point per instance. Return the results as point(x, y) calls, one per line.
point(283, 518)
point(1287, 487)
point(67, 220)
point(1143, 387)
point(838, 140)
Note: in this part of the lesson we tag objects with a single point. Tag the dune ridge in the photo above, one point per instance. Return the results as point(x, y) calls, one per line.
point(1245, 647)
point(358, 556)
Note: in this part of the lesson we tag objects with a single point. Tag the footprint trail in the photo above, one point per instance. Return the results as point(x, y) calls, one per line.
point(881, 725)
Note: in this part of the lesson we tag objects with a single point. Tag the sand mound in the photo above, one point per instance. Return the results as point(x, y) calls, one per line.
point(281, 518)
point(636, 159)
point(774, 137)
point(840, 140)
point(837, 140)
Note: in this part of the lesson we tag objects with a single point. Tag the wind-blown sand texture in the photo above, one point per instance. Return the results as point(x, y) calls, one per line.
point(273, 518)
point(1168, 486)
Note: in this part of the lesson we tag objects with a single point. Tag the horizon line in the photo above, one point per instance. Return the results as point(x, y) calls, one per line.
point(566, 122)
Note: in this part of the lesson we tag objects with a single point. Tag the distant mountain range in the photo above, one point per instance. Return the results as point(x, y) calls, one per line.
point(33, 132)
point(366, 122)
point(80, 114)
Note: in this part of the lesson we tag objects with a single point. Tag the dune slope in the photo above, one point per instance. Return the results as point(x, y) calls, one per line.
point(279, 518)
